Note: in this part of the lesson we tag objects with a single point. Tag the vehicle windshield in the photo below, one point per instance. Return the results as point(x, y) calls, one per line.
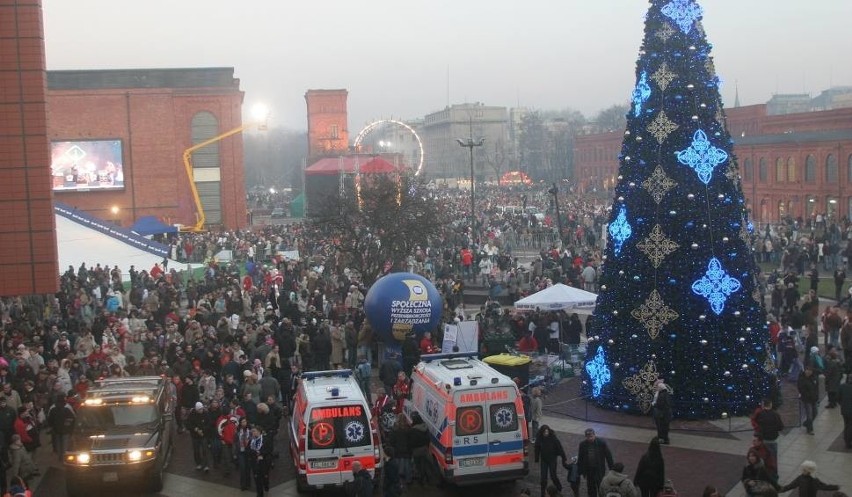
point(103, 418)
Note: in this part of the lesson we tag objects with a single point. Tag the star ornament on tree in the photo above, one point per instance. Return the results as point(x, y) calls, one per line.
point(641, 94)
point(684, 13)
point(716, 286)
point(620, 230)
point(654, 314)
point(641, 385)
point(657, 246)
point(702, 156)
point(658, 184)
point(598, 372)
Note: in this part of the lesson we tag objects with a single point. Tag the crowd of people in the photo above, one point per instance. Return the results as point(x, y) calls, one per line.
point(235, 339)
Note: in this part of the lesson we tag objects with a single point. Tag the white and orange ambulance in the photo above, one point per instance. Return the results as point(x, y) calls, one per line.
point(475, 417)
point(331, 428)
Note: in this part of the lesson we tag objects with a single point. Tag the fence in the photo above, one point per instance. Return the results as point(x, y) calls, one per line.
point(533, 240)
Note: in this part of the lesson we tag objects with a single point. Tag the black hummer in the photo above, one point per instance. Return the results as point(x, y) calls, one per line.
point(123, 435)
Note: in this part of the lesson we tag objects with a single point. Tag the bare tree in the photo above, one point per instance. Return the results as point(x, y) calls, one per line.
point(496, 156)
point(383, 223)
point(613, 118)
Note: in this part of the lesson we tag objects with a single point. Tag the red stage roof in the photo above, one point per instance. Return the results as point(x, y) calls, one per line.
point(331, 166)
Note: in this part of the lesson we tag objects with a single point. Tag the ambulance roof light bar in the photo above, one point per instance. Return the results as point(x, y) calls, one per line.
point(452, 355)
point(337, 373)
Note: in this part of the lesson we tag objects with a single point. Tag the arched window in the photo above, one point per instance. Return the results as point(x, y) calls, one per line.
point(849, 170)
point(810, 206)
point(810, 169)
point(748, 172)
point(831, 169)
point(780, 170)
point(206, 166)
point(763, 169)
point(792, 173)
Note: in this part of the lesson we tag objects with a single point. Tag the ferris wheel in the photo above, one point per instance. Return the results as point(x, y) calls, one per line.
point(373, 126)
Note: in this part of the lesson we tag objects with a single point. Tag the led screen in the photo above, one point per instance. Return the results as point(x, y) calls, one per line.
point(87, 165)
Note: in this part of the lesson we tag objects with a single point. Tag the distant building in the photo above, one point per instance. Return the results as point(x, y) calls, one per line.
point(118, 137)
point(328, 127)
point(446, 159)
point(791, 164)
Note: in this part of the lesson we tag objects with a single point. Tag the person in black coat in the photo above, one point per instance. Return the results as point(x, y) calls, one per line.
point(844, 398)
point(662, 411)
point(593, 459)
point(755, 474)
point(651, 472)
point(809, 396)
point(807, 483)
point(260, 455)
point(548, 449)
point(391, 485)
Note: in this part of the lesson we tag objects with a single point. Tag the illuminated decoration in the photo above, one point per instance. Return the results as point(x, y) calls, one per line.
point(684, 13)
point(702, 156)
point(641, 385)
point(716, 286)
point(392, 122)
point(658, 184)
point(654, 314)
point(661, 127)
point(641, 94)
point(657, 246)
point(599, 372)
point(708, 343)
point(665, 32)
point(663, 77)
point(620, 230)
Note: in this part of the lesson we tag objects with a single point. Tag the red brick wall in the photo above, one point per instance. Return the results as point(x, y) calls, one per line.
point(154, 126)
point(28, 260)
point(327, 108)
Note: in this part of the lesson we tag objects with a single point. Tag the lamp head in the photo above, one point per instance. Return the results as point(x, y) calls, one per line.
point(461, 142)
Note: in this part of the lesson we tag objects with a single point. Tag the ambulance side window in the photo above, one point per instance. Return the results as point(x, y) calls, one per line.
point(503, 418)
point(469, 421)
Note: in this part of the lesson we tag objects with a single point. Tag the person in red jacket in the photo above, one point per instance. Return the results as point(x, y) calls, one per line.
point(426, 346)
point(467, 262)
point(400, 390)
point(25, 428)
point(97, 356)
point(226, 425)
point(527, 343)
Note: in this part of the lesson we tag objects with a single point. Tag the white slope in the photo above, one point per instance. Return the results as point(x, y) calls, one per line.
point(78, 244)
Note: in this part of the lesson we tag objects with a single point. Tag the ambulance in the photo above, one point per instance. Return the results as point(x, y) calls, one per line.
point(475, 417)
point(331, 428)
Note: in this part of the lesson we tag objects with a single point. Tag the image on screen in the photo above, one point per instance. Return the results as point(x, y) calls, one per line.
point(87, 165)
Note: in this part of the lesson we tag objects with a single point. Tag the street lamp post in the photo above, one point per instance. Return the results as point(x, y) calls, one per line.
point(470, 144)
point(555, 192)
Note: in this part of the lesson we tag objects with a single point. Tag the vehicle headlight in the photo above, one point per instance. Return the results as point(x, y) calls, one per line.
point(134, 455)
point(83, 458)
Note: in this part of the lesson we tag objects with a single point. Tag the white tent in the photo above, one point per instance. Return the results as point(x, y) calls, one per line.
point(559, 297)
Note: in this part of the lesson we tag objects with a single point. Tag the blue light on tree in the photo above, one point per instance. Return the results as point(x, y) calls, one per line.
point(641, 94)
point(620, 230)
point(702, 156)
point(684, 13)
point(598, 372)
point(716, 286)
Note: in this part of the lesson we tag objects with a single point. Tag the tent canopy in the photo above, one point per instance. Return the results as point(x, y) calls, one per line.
point(559, 297)
point(150, 225)
point(331, 166)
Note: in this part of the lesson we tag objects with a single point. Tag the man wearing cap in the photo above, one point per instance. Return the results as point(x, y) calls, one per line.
point(196, 424)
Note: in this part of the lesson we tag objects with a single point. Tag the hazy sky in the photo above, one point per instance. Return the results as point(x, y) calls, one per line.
point(394, 56)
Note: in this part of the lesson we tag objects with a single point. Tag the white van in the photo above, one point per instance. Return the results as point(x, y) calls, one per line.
point(475, 416)
point(331, 428)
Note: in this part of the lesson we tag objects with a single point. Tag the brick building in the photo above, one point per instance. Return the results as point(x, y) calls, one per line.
point(792, 165)
point(28, 260)
point(145, 119)
point(328, 128)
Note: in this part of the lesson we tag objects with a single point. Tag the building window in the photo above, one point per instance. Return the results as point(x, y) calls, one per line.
point(831, 169)
point(831, 207)
point(748, 173)
point(780, 170)
point(849, 208)
point(792, 174)
point(810, 205)
point(849, 171)
point(810, 169)
point(762, 170)
point(334, 132)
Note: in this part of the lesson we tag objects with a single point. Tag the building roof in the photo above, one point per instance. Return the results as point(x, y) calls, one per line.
point(331, 166)
point(201, 77)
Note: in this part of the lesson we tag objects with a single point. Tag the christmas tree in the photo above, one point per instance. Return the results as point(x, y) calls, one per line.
point(678, 298)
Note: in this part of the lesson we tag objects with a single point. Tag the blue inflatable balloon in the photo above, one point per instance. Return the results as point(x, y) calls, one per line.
point(402, 303)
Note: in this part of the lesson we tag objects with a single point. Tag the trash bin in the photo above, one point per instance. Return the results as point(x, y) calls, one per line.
point(513, 366)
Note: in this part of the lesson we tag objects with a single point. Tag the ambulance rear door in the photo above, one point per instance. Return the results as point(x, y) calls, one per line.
point(338, 435)
point(470, 440)
point(503, 431)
